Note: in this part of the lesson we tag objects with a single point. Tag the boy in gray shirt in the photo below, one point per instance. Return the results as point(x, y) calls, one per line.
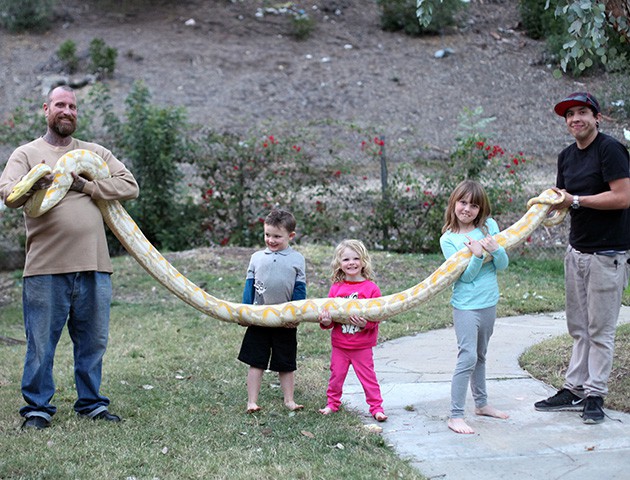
point(275, 275)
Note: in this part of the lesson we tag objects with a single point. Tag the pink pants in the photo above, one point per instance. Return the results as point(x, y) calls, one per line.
point(362, 362)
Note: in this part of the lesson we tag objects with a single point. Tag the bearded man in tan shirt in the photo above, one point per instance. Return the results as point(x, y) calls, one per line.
point(68, 268)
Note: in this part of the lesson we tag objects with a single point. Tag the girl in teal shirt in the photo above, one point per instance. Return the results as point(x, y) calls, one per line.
point(467, 223)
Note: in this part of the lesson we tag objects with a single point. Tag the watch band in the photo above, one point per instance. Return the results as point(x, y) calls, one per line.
point(576, 202)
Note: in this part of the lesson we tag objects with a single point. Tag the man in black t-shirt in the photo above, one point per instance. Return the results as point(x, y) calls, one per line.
point(594, 175)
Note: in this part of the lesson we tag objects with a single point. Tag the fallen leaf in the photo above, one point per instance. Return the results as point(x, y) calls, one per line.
point(307, 434)
point(373, 428)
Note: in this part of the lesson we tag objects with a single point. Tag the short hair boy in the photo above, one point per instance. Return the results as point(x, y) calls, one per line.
point(274, 275)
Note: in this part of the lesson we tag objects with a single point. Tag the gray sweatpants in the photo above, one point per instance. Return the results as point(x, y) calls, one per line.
point(594, 285)
point(473, 329)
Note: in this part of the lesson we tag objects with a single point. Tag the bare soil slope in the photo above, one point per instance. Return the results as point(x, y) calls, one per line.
point(234, 70)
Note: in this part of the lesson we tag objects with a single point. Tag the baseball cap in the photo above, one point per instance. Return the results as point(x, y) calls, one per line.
point(575, 99)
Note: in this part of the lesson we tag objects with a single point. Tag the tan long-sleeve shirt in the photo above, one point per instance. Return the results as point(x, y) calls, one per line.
point(71, 236)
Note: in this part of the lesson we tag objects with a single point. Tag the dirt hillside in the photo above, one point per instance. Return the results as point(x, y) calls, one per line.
point(233, 68)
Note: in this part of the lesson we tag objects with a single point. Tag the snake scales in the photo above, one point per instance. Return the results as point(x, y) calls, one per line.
point(91, 166)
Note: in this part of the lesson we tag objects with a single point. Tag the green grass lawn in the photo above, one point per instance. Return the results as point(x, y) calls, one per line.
point(172, 374)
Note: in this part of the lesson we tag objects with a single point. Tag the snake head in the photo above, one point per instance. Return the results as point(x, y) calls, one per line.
point(550, 197)
point(23, 186)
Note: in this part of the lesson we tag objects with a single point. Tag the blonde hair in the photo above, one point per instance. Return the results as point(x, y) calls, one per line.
point(478, 196)
point(358, 247)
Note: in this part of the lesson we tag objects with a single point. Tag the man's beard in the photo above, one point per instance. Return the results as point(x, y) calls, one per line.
point(63, 129)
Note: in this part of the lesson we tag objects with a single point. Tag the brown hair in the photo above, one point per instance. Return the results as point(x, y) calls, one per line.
point(281, 218)
point(478, 196)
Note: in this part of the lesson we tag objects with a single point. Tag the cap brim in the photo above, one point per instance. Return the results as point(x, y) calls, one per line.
point(562, 107)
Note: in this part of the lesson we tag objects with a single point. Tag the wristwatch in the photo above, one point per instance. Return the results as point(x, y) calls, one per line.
point(576, 202)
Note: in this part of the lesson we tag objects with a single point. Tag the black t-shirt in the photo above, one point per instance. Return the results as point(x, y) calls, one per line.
point(587, 172)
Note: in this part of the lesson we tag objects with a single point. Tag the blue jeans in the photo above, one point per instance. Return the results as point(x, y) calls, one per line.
point(49, 301)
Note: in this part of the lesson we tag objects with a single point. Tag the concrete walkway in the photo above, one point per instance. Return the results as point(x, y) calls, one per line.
point(415, 375)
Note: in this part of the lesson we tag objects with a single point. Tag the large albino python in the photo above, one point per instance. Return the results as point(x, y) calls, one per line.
point(90, 165)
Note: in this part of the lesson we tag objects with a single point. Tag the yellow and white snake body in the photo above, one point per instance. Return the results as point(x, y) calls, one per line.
point(91, 166)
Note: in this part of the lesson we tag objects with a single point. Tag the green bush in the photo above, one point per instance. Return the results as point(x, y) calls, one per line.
point(302, 26)
point(23, 15)
point(152, 140)
point(234, 180)
point(67, 53)
point(244, 179)
point(411, 212)
point(401, 15)
point(540, 22)
point(579, 35)
point(102, 57)
point(24, 124)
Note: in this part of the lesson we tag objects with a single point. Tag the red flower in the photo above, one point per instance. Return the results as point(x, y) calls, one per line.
point(337, 173)
point(225, 241)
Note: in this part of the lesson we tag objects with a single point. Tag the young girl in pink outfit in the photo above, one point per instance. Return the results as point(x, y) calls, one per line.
point(352, 343)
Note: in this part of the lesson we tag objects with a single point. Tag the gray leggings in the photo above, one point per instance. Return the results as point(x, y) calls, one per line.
point(473, 329)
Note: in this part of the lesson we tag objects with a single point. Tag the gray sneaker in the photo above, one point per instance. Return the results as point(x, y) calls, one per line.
point(593, 410)
point(563, 401)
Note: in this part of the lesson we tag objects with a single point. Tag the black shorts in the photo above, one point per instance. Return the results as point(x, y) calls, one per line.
point(273, 348)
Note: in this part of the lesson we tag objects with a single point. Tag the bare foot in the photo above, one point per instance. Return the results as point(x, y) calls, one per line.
point(326, 411)
point(458, 425)
point(380, 417)
point(252, 408)
point(489, 411)
point(294, 407)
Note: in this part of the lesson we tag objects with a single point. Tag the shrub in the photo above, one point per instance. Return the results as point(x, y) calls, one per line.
point(67, 53)
point(24, 124)
point(401, 15)
point(152, 139)
point(22, 15)
point(541, 22)
point(102, 57)
point(411, 211)
point(581, 36)
point(244, 179)
point(302, 26)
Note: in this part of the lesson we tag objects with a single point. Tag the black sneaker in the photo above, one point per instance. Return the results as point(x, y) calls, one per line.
point(593, 412)
point(102, 415)
point(37, 422)
point(563, 401)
